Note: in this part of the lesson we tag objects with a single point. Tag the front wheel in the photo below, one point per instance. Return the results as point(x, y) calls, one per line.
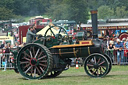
point(96, 65)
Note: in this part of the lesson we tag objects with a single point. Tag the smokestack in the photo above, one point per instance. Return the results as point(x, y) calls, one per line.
point(94, 24)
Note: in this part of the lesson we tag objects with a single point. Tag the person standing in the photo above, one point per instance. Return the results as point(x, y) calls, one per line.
point(3, 44)
point(120, 52)
point(6, 56)
point(126, 50)
point(107, 42)
point(111, 50)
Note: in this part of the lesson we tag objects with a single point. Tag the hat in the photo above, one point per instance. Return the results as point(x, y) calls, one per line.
point(123, 39)
point(111, 42)
point(118, 40)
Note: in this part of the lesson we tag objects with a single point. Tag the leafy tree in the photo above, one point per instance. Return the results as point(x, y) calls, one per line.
point(121, 12)
point(6, 13)
point(105, 12)
point(69, 10)
point(124, 3)
point(7, 3)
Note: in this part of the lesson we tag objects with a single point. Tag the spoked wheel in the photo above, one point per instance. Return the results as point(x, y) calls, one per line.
point(96, 65)
point(34, 61)
point(53, 74)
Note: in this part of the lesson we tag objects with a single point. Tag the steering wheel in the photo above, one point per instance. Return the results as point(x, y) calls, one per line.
point(58, 33)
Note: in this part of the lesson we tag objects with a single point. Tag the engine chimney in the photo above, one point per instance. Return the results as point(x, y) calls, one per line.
point(94, 23)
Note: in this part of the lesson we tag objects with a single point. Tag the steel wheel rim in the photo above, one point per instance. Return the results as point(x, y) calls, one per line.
point(96, 65)
point(33, 65)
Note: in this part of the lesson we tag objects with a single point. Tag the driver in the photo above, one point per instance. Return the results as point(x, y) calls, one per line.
point(30, 35)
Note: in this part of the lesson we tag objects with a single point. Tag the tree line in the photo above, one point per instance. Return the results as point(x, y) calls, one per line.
point(77, 10)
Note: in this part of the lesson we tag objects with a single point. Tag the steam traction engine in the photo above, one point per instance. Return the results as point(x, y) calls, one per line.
point(50, 55)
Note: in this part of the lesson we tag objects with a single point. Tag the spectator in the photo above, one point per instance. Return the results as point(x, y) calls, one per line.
point(7, 51)
point(115, 51)
point(111, 45)
point(108, 41)
point(3, 44)
point(16, 44)
point(111, 49)
point(6, 56)
point(126, 44)
point(114, 40)
point(126, 51)
point(119, 47)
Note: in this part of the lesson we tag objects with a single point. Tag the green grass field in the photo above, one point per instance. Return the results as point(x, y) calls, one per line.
point(117, 76)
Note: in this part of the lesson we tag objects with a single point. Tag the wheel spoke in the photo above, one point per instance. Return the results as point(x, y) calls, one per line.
point(27, 65)
point(26, 58)
point(90, 69)
point(28, 69)
point(99, 60)
point(42, 57)
point(103, 67)
point(31, 54)
point(43, 65)
point(102, 62)
point(94, 71)
point(89, 65)
point(24, 62)
point(43, 61)
point(31, 70)
point(40, 54)
point(42, 69)
point(95, 59)
point(33, 50)
point(26, 54)
point(38, 70)
point(101, 72)
point(35, 72)
point(97, 72)
point(37, 53)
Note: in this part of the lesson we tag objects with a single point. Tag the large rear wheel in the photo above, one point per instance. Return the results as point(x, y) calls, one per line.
point(34, 61)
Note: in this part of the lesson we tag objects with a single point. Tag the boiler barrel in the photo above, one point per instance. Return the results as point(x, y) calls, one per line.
point(74, 52)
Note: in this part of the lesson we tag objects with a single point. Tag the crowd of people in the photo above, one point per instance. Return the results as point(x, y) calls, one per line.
point(117, 50)
point(5, 56)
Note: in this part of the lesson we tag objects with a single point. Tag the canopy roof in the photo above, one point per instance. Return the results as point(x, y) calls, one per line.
point(54, 29)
